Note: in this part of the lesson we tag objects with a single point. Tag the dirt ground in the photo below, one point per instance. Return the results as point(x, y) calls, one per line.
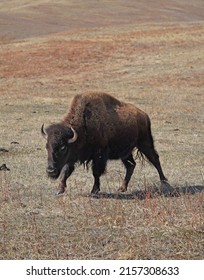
point(149, 55)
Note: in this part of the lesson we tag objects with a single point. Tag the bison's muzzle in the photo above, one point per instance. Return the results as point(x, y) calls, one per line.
point(52, 172)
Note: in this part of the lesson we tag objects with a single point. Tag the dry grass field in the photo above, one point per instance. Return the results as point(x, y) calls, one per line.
point(156, 65)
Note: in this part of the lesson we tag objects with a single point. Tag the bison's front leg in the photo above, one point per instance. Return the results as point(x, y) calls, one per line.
point(65, 173)
point(98, 168)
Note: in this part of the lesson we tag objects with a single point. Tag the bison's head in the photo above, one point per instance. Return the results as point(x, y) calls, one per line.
point(59, 140)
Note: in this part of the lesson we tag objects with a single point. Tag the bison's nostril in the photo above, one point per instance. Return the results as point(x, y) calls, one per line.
point(51, 170)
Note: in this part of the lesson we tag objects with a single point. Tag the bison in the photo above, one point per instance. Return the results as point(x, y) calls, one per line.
point(97, 128)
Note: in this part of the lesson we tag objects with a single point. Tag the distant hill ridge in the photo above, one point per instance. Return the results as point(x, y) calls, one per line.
point(21, 19)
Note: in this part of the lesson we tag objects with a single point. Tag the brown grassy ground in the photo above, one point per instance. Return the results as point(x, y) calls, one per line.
point(160, 69)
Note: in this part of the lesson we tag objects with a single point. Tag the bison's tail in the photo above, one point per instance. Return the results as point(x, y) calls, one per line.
point(140, 156)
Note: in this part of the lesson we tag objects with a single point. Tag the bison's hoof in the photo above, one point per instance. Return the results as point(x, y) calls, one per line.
point(166, 188)
point(60, 191)
point(122, 189)
point(95, 191)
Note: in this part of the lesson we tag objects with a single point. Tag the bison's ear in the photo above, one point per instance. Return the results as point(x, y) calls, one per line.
point(74, 138)
point(43, 132)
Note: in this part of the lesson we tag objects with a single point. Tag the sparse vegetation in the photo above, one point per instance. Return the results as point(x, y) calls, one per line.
point(160, 69)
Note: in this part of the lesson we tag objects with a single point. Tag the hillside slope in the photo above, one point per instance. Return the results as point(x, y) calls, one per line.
point(20, 19)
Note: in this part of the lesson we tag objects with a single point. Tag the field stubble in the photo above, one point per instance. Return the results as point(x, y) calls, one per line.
point(158, 68)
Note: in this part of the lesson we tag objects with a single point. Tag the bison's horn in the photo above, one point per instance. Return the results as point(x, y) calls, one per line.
point(43, 132)
point(74, 138)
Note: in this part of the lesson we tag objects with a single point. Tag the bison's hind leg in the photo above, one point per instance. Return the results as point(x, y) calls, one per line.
point(149, 151)
point(151, 154)
point(129, 164)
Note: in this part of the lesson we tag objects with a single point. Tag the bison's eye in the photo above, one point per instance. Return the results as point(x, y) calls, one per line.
point(63, 148)
point(59, 151)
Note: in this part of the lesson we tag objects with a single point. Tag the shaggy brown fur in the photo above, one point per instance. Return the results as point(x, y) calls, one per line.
point(106, 128)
